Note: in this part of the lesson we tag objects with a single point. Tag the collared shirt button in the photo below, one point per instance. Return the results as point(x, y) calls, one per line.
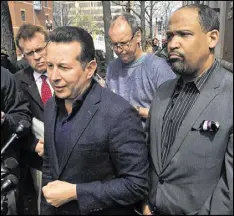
point(161, 181)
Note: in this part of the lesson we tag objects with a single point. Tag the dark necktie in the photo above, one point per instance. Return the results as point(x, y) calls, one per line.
point(45, 90)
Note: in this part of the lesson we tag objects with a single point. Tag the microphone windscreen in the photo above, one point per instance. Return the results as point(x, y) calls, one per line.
point(24, 123)
point(10, 163)
point(13, 179)
point(23, 128)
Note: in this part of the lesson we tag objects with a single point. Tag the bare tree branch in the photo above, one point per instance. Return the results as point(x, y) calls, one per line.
point(117, 3)
point(106, 19)
point(147, 13)
point(137, 14)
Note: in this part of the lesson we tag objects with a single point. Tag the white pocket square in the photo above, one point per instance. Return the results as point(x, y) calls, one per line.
point(208, 125)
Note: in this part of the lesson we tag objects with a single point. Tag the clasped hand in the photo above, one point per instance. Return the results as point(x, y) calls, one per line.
point(58, 192)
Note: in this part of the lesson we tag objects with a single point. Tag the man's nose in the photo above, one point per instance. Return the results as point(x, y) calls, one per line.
point(118, 49)
point(174, 43)
point(54, 74)
point(36, 55)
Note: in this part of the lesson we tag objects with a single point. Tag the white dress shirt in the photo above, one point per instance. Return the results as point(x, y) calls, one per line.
point(38, 80)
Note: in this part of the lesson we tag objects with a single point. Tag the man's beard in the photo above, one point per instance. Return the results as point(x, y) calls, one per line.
point(178, 66)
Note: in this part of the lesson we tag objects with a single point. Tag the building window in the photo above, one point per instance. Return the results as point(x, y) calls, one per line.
point(46, 3)
point(99, 4)
point(117, 3)
point(117, 10)
point(37, 5)
point(23, 16)
point(86, 4)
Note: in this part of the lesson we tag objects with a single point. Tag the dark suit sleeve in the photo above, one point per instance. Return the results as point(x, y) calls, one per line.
point(46, 208)
point(30, 141)
point(16, 106)
point(128, 153)
point(221, 201)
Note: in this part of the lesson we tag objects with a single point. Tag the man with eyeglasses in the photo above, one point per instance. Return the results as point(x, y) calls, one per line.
point(134, 75)
point(32, 41)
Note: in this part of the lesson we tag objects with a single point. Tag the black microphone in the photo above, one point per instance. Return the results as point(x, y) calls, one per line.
point(8, 165)
point(9, 183)
point(21, 130)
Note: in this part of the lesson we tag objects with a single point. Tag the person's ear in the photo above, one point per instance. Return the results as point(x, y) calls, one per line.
point(213, 38)
point(24, 57)
point(138, 36)
point(90, 68)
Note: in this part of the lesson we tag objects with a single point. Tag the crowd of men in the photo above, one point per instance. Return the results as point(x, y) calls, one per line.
point(155, 139)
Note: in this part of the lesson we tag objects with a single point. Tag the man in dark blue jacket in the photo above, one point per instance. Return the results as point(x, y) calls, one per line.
point(95, 157)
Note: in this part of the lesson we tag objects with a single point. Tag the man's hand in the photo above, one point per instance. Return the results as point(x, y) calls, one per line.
point(143, 112)
point(40, 148)
point(58, 192)
point(2, 117)
point(146, 210)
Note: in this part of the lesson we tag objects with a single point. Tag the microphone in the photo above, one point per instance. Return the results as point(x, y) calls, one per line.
point(8, 165)
point(21, 130)
point(9, 182)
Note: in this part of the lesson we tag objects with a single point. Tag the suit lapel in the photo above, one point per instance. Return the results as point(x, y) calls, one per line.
point(209, 91)
point(83, 118)
point(33, 91)
point(32, 86)
point(157, 117)
point(51, 131)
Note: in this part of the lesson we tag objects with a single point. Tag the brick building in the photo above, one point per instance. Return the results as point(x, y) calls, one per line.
point(35, 12)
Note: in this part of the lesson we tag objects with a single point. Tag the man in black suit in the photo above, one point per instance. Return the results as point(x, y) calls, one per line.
point(32, 40)
point(14, 108)
point(6, 62)
point(95, 158)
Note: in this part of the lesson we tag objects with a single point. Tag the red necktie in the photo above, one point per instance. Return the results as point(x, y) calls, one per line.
point(45, 90)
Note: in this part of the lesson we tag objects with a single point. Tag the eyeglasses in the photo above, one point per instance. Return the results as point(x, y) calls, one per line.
point(38, 51)
point(122, 45)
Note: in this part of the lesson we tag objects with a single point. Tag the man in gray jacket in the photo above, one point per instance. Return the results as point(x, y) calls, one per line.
point(191, 123)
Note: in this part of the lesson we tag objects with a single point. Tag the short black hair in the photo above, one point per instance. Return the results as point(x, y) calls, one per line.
point(208, 17)
point(67, 34)
point(28, 31)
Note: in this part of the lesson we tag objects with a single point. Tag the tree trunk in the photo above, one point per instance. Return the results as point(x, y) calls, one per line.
point(7, 35)
point(61, 15)
point(143, 39)
point(106, 19)
point(128, 7)
point(151, 19)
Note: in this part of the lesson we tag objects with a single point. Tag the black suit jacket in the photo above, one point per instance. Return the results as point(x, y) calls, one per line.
point(27, 84)
point(16, 108)
point(107, 158)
